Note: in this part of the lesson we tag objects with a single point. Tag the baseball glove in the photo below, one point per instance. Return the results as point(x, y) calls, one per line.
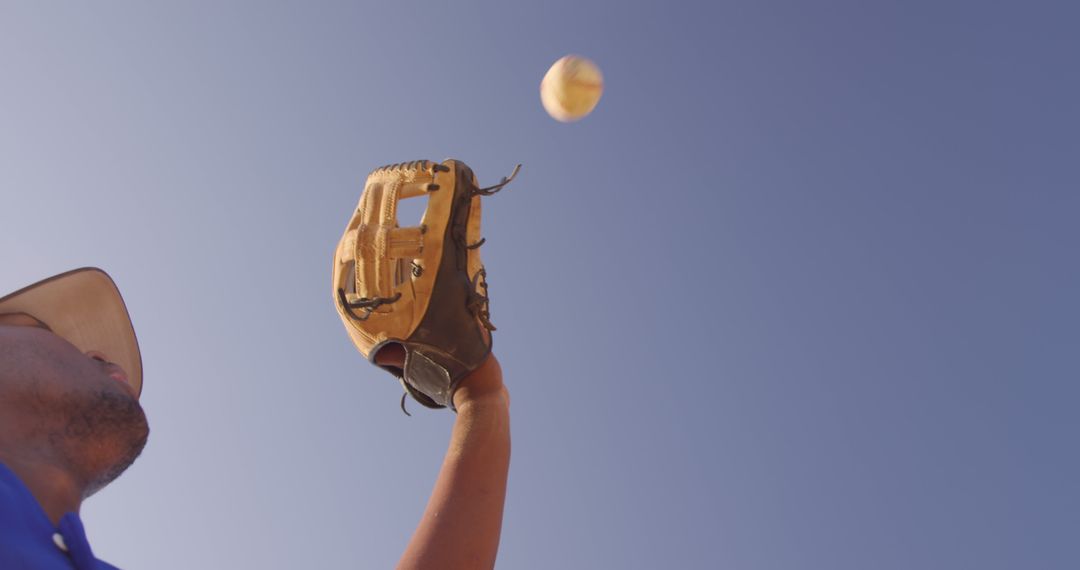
point(423, 288)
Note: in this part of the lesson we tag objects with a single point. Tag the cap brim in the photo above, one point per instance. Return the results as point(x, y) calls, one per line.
point(85, 308)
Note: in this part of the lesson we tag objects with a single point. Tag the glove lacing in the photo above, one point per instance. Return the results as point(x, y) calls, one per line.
point(369, 305)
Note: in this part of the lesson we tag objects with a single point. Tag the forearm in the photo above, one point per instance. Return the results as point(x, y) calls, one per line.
point(461, 525)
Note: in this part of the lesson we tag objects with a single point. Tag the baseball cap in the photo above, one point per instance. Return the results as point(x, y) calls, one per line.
point(84, 307)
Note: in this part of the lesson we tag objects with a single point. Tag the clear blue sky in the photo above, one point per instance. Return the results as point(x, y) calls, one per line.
point(801, 293)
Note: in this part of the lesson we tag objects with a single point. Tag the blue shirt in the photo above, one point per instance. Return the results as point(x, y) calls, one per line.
point(29, 541)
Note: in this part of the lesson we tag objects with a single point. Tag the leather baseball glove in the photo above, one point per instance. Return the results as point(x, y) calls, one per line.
point(422, 288)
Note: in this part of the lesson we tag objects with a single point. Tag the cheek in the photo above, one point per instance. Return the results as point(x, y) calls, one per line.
point(42, 366)
point(58, 364)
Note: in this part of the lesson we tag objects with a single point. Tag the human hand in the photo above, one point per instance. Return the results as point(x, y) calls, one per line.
point(481, 386)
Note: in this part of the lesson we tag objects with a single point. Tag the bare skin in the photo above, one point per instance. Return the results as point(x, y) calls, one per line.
point(69, 422)
point(461, 525)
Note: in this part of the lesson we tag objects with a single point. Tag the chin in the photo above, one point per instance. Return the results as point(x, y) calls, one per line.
point(117, 449)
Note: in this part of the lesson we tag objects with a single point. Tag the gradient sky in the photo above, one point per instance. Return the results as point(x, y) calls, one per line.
point(802, 292)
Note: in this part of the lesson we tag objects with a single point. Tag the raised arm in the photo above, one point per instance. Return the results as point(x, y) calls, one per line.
point(461, 524)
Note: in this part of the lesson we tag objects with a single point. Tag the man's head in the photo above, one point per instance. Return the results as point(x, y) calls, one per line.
point(67, 404)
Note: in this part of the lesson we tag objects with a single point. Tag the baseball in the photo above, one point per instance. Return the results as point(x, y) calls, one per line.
point(571, 88)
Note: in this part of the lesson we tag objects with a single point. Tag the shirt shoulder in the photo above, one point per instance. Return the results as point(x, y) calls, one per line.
point(29, 540)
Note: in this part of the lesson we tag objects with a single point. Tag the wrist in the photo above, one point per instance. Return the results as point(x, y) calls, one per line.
point(482, 388)
point(491, 402)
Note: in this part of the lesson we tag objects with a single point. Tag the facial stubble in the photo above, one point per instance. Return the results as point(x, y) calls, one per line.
point(103, 433)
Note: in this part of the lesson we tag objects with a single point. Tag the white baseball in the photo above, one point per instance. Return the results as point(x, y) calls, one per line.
point(571, 89)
